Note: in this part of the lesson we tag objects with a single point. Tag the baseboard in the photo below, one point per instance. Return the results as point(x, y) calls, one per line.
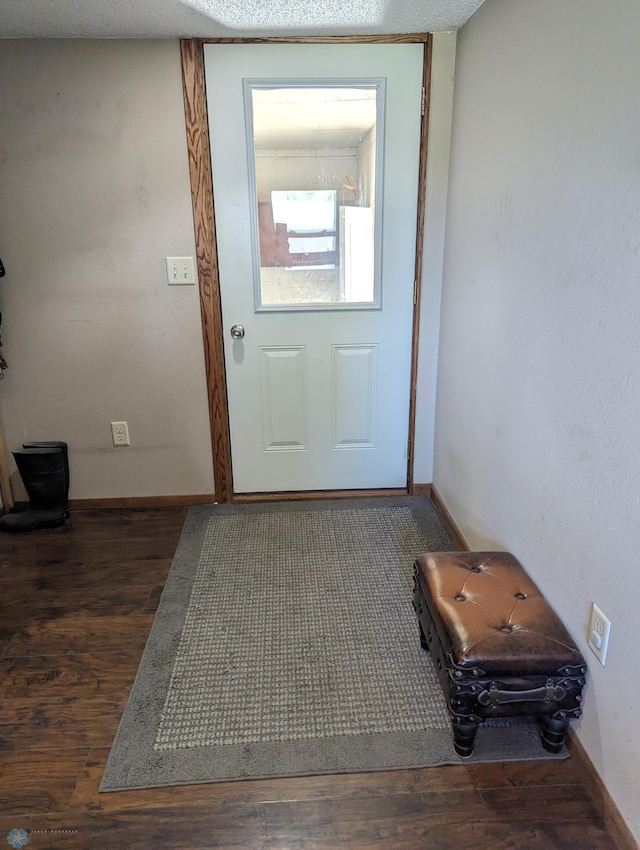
point(209, 499)
point(457, 538)
point(600, 797)
point(142, 502)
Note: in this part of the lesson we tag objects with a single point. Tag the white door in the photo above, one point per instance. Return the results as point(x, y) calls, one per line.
point(317, 349)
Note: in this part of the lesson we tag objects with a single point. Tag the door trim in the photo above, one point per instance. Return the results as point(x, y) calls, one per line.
point(197, 131)
point(422, 194)
point(197, 128)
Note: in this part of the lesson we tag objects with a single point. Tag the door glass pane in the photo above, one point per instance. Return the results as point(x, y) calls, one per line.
point(315, 177)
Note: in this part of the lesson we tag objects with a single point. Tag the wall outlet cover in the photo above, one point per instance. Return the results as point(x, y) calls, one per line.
point(598, 633)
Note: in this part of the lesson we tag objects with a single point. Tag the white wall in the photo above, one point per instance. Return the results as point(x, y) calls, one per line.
point(537, 437)
point(307, 168)
point(95, 193)
point(365, 170)
point(442, 74)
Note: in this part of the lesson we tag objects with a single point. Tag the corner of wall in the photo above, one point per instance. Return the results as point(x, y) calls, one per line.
point(439, 142)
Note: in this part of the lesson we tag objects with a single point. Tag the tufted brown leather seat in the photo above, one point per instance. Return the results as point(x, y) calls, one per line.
point(499, 648)
point(493, 616)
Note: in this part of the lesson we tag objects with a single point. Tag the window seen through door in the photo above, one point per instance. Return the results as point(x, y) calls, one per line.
point(298, 230)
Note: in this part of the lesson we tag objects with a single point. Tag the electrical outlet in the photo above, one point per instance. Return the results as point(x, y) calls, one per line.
point(120, 434)
point(180, 270)
point(598, 633)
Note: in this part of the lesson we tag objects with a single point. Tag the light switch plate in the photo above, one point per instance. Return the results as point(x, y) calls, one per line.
point(180, 271)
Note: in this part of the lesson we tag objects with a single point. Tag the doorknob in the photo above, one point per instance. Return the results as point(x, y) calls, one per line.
point(237, 331)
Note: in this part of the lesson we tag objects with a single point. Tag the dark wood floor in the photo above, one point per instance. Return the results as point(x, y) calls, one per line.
point(77, 606)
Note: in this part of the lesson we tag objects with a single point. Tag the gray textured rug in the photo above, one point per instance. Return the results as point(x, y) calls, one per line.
point(286, 644)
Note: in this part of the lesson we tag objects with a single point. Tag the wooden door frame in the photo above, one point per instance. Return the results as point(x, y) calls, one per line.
point(197, 130)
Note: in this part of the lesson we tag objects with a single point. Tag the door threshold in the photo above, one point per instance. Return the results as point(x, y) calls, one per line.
point(307, 495)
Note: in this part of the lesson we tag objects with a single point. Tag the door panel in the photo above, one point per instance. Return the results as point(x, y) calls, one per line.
point(284, 399)
point(318, 399)
point(355, 379)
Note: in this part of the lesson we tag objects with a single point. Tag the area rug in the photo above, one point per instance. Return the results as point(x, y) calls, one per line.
point(286, 644)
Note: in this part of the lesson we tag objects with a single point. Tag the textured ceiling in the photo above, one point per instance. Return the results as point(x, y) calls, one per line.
point(225, 18)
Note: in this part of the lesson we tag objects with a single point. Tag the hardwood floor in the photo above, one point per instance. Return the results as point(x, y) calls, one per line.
point(77, 606)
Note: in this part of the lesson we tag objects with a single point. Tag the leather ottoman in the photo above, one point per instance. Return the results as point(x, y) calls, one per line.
point(499, 648)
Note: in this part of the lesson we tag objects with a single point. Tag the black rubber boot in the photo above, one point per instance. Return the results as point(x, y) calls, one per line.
point(55, 444)
point(43, 473)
